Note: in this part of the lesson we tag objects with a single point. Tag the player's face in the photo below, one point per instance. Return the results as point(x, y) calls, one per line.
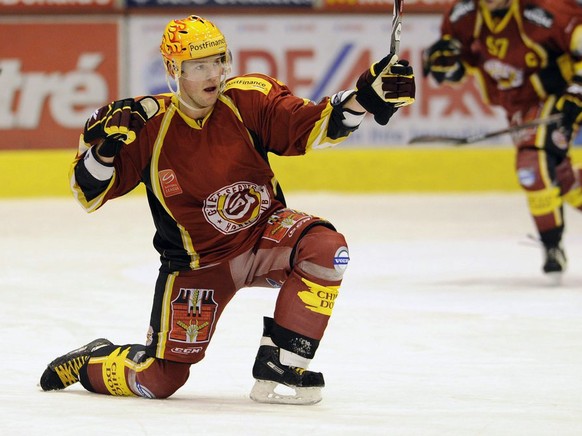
point(197, 70)
point(200, 81)
point(495, 4)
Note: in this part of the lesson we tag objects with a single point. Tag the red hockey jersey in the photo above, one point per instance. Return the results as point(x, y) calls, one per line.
point(522, 56)
point(209, 184)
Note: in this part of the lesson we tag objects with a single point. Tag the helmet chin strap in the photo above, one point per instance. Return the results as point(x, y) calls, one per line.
point(176, 92)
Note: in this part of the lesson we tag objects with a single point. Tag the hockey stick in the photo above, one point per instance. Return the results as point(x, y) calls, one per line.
point(396, 26)
point(481, 136)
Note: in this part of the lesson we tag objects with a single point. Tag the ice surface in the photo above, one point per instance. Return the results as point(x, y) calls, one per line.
point(444, 324)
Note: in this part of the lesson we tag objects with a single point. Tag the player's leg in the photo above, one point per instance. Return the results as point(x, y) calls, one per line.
point(537, 173)
point(569, 177)
point(307, 258)
point(186, 309)
point(105, 368)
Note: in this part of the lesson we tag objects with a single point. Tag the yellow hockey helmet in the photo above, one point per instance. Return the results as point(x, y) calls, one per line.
point(190, 38)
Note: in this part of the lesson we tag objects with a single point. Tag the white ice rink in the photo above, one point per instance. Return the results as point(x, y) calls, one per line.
point(444, 324)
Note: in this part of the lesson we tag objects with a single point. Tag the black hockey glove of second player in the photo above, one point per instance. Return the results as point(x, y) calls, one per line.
point(442, 60)
point(118, 123)
point(386, 86)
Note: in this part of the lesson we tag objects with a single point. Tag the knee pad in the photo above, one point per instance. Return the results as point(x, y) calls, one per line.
point(532, 172)
point(322, 253)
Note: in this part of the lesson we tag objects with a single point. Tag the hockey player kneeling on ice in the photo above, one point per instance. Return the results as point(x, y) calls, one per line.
point(220, 217)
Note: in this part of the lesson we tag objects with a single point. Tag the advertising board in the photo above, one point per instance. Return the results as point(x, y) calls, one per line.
point(57, 6)
point(320, 55)
point(47, 94)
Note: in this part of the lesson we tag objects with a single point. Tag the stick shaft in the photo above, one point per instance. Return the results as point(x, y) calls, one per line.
point(481, 136)
point(396, 26)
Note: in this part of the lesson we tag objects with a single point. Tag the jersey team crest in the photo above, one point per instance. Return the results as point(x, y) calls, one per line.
point(236, 207)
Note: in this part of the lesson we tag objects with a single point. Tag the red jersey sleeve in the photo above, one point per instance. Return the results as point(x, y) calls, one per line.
point(284, 123)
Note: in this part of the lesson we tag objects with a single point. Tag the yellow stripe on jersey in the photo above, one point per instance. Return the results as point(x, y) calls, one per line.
point(157, 149)
point(478, 75)
point(538, 86)
point(249, 84)
point(497, 26)
point(195, 124)
point(228, 101)
point(542, 129)
point(165, 315)
point(530, 43)
point(576, 46)
point(318, 137)
point(156, 188)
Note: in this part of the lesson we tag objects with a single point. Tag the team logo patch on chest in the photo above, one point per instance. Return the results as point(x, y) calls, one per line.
point(236, 207)
point(507, 76)
point(169, 183)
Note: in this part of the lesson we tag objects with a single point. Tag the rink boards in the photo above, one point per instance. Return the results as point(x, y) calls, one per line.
point(403, 169)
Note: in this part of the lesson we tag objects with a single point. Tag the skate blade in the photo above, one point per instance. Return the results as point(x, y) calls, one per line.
point(555, 278)
point(275, 393)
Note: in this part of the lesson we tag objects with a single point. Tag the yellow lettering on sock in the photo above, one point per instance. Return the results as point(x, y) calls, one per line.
point(319, 298)
point(113, 370)
point(544, 202)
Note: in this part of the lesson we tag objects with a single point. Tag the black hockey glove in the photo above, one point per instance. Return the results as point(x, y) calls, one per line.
point(443, 61)
point(570, 104)
point(118, 123)
point(386, 86)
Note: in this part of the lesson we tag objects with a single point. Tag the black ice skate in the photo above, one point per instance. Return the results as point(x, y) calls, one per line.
point(555, 263)
point(273, 379)
point(64, 370)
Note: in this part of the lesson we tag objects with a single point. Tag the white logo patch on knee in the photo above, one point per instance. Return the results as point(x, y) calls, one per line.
point(341, 259)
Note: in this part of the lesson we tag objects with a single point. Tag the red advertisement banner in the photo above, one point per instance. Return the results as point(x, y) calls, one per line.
point(52, 77)
point(57, 6)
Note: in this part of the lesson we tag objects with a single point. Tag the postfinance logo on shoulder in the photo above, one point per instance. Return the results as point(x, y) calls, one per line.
point(249, 84)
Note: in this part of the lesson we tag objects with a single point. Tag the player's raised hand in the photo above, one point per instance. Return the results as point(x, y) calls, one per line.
point(118, 123)
point(570, 104)
point(386, 86)
point(442, 60)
